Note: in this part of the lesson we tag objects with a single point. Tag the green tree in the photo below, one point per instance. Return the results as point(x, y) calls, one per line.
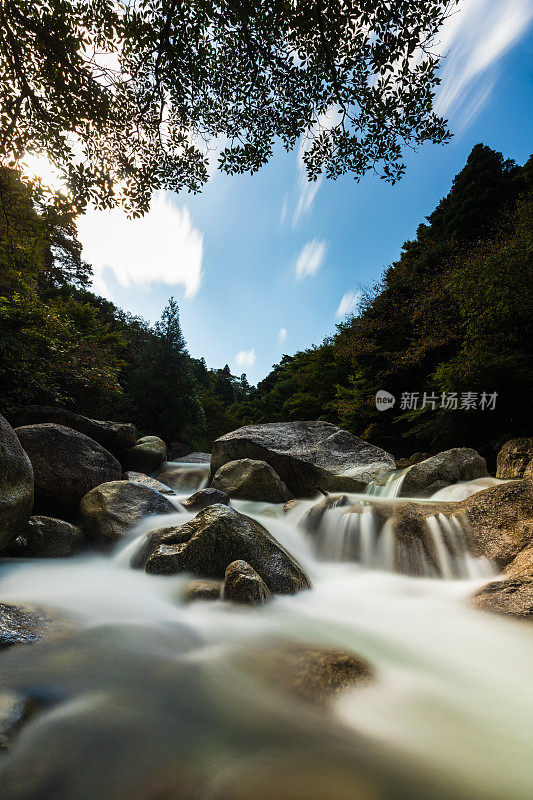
point(162, 387)
point(127, 97)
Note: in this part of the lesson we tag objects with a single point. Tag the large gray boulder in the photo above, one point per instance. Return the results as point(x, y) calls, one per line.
point(247, 479)
point(114, 436)
point(110, 510)
point(434, 473)
point(216, 537)
point(146, 455)
point(46, 537)
point(515, 459)
point(305, 455)
point(16, 485)
point(66, 465)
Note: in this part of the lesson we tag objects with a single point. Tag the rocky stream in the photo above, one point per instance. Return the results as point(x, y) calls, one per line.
point(296, 616)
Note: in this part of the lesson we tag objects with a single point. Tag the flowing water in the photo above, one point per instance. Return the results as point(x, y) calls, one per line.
point(146, 698)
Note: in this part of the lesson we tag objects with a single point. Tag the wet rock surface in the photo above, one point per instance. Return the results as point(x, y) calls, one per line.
point(515, 459)
point(305, 455)
point(66, 465)
point(202, 590)
point(215, 538)
point(114, 436)
point(110, 510)
point(511, 597)
point(204, 498)
point(21, 626)
point(147, 480)
point(243, 585)
point(16, 485)
point(458, 464)
point(311, 673)
point(497, 518)
point(246, 479)
point(46, 537)
point(147, 455)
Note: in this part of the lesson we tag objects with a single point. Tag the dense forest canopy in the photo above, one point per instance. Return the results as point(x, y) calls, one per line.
point(128, 97)
point(452, 315)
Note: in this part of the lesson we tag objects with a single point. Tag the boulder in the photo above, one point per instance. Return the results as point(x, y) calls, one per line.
point(147, 455)
point(247, 479)
point(110, 510)
point(46, 537)
point(243, 585)
point(512, 597)
point(416, 458)
point(497, 520)
point(305, 455)
point(147, 480)
point(202, 590)
point(183, 477)
point(428, 476)
point(310, 673)
point(66, 465)
point(216, 537)
point(20, 626)
point(203, 498)
point(114, 436)
point(515, 457)
point(193, 458)
point(178, 450)
point(16, 486)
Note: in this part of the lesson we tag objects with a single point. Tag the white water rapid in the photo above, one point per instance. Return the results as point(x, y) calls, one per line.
point(148, 698)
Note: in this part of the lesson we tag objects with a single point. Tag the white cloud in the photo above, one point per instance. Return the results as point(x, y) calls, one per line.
point(475, 38)
point(161, 247)
point(245, 358)
point(282, 335)
point(310, 258)
point(348, 303)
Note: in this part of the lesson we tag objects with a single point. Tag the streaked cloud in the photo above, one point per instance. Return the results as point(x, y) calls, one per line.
point(245, 358)
point(282, 335)
point(348, 303)
point(475, 38)
point(161, 247)
point(310, 259)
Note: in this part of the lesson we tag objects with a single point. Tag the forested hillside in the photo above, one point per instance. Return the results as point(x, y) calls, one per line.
point(452, 315)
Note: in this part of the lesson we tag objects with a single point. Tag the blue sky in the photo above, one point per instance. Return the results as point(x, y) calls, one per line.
point(267, 264)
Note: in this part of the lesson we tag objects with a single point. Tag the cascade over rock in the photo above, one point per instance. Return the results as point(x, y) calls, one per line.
point(428, 476)
point(305, 455)
point(216, 537)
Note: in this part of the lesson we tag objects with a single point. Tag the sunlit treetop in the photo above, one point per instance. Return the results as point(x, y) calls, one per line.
point(129, 97)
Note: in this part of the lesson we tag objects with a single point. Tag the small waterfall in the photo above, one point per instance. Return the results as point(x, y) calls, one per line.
point(182, 477)
point(391, 488)
point(396, 538)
